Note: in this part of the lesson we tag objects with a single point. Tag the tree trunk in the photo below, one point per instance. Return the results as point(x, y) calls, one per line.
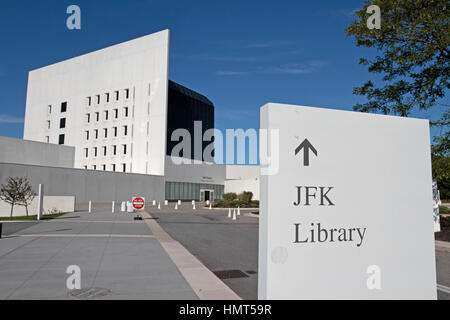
point(26, 209)
point(12, 208)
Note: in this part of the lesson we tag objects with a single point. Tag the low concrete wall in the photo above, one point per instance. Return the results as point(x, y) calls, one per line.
point(85, 185)
point(51, 204)
point(36, 153)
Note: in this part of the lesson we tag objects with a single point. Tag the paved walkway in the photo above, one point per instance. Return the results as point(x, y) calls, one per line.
point(112, 250)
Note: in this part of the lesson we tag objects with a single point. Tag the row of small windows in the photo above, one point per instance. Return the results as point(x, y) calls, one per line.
point(104, 151)
point(63, 107)
point(106, 113)
point(62, 123)
point(116, 95)
point(87, 134)
point(123, 167)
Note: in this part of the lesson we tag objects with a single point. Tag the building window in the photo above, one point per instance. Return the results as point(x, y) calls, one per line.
point(124, 148)
point(124, 167)
point(96, 133)
point(49, 109)
point(62, 123)
point(86, 152)
point(47, 139)
point(104, 151)
point(97, 116)
point(115, 131)
point(116, 113)
point(105, 131)
point(95, 151)
point(98, 99)
point(88, 118)
point(48, 124)
point(117, 95)
point(107, 96)
point(125, 112)
point(89, 101)
point(106, 115)
point(104, 167)
point(113, 167)
point(86, 134)
point(125, 130)
point(114, 150)
point(127, 93)
point(94, 167)
point(64, 107)
point(85, 167)
point(61, 139)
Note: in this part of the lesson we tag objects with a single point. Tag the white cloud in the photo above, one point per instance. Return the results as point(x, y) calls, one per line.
point(10, 119)
point(231, 73)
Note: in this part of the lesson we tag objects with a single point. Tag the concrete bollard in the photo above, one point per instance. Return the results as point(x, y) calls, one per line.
point(193, 206)
point(90, 206)
point(166, 202)
point(112, 208)
point(234, 214)
point(179, 202)
point(193, 201)
point(40, 201)
point(176, 206)
point(210, 206)
point(159, 205)
point(207, 202)
point(229, 212)
point(239, 211)
point(154, 202)
point(123, 206)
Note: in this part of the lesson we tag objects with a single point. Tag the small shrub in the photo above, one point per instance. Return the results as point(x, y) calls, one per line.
point(229, 196)
point(246, 196)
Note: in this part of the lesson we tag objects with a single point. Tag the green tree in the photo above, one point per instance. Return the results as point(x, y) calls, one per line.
point(413, 59)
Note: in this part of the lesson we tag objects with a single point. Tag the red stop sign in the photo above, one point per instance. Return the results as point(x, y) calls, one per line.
point(138, 203)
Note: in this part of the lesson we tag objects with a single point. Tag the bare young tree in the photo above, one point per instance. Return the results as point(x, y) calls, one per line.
point(28, 194)
point(15, 191)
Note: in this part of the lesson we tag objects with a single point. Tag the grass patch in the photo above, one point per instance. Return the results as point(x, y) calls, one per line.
point(32, 218)
point(444, 209)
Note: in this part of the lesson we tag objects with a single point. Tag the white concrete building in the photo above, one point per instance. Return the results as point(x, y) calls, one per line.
point(117, 108)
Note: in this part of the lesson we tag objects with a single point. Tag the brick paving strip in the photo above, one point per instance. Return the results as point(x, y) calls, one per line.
point(206, 285)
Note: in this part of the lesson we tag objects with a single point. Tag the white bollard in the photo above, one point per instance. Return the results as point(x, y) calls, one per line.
point(179, 202)
point(239, 211)
point(176, 206)
point(210, 206)
point(166, 202)
point(193, 201)
point(123, 206)
point(112, 209)
point(229, 212)
point(159, 205)
point(40, 201)
point(90, 206)
point(154, 202)
point(193, 206)
point(234, 214)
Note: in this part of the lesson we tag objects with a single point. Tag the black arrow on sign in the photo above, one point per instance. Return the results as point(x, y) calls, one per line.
point(306, 146)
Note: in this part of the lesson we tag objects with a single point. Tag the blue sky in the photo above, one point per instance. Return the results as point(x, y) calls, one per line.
point(240, 54)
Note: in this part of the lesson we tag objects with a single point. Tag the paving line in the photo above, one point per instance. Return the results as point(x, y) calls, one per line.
point(95, 221)
point(67, 235)
point(206, 285)
point(443, 288)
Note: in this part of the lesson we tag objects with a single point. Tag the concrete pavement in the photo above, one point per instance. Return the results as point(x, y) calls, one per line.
point(112, 250)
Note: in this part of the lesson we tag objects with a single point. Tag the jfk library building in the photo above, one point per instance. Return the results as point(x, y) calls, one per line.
point(98, 127)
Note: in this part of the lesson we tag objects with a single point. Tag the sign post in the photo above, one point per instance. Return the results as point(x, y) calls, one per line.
point(138, 203)
point(347, 212)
